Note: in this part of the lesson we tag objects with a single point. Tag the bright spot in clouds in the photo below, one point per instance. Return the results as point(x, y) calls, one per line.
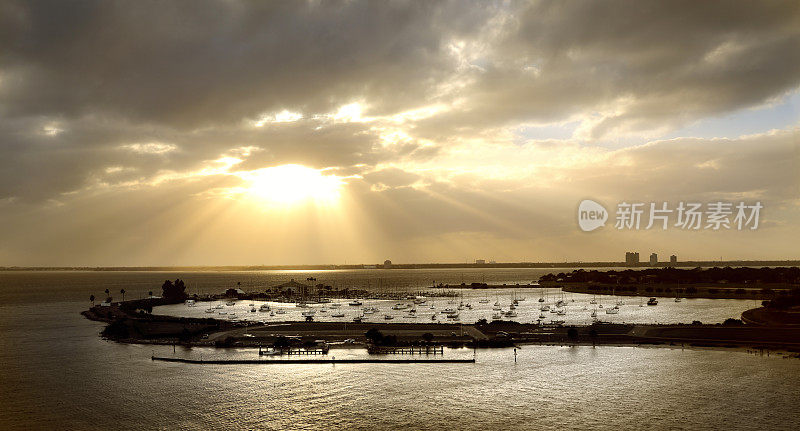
point(284, 116)
point(289, 184)
point(52, 129)
point(150, 148)
point(349, 113)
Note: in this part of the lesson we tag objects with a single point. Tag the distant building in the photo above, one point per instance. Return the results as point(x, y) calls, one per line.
point(653, 259)
point(293, 288)
point(480, 261)
point(673, 260)
point(387, 264)
point(234, 293)
point(632, 258)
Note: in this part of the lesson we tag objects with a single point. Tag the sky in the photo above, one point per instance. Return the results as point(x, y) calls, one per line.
point(312, 132)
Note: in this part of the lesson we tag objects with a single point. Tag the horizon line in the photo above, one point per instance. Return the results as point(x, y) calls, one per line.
point(522, 264)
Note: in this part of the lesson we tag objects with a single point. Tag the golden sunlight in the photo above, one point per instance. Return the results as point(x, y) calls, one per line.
point(289, 184)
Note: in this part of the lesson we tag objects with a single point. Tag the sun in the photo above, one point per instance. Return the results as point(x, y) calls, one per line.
point(289, 184)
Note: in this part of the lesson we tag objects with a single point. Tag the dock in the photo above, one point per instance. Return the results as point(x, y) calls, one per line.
point(424, 350)
point(294, 352)
point(311, 361)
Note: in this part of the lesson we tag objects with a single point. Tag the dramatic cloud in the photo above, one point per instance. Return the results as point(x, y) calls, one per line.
point(452, 128)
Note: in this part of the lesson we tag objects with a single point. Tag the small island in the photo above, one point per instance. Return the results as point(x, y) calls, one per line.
point(133, 321)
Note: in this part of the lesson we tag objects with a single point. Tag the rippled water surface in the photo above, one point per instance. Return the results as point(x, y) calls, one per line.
point(58, 374)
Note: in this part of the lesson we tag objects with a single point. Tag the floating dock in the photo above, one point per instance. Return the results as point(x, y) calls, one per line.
point(312, 361)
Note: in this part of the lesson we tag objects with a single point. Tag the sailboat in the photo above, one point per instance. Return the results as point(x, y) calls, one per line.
point(485, 299)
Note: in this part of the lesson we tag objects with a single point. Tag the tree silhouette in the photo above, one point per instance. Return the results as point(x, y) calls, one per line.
point(281, 342)
point(374, 335)
point(122, 291)
point(150, 293)
point(91, 298)
point(174, 290)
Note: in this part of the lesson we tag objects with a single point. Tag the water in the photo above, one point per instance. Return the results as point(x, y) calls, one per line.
point(57, 373)
point(578, 309)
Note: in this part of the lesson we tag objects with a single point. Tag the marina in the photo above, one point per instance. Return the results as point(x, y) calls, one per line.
point(311, 361)
point(407, 215)
point(36, 317)
point(575, 308)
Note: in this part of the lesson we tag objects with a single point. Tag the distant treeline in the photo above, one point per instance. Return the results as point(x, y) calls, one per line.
point(715, 275)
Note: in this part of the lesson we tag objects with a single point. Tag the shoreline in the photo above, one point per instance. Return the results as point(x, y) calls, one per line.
point(147, 329)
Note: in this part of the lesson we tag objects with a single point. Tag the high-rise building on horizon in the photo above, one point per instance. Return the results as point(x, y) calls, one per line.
point(673, 260)
point(631, 258)
point(653, 259)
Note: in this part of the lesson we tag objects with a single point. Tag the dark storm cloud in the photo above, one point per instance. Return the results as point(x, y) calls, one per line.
point(195, 63)
point(189, 73)
point(193, 75)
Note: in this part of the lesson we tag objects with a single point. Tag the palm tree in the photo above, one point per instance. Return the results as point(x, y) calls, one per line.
point(91, 298)
point(122, 291)
point(150, 293)
point(107, 293)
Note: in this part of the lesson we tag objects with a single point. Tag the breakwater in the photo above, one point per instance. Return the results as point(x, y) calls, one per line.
point(311, 361)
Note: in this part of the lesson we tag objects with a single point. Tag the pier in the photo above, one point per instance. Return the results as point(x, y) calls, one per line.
point(311, 361)
point(295, 352)
point(425, 350)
